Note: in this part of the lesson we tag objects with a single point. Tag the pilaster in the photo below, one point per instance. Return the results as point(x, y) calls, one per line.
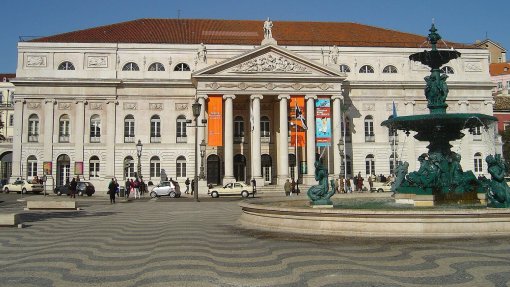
point(283, 141)
point(229, 139)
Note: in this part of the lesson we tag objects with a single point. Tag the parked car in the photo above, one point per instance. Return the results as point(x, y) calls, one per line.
point(82, 187)
point(381, 186)
point(166, 188)
point(233, 188)
point(22, 185)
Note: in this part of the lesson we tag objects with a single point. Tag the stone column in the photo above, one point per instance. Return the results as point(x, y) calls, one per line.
point(19, 106)
point(283, 141)
point(111, 107)
point(79, 130)
point(337, 133)
point(309, 177)
point(255, 148)
point(49, 114)
point(202, 183)
point(229, 139)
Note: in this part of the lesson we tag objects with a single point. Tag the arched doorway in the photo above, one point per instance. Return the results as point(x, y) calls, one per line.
point(5, 167)
point(266, 164)
point(213, 169)
point(63, 169)
point(240, 167)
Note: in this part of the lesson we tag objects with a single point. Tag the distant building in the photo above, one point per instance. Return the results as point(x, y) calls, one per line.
point(497, 53)
point(86, 97)
point(500, 76)
point(7, 117)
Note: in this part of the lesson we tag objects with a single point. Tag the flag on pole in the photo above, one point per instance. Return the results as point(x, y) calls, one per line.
point(299, 116)
point(394, 110)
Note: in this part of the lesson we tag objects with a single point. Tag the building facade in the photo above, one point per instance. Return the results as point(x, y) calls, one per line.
point(7, 118)
point(84, 99)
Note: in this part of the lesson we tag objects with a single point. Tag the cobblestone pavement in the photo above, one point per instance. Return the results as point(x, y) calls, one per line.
point(177, 242)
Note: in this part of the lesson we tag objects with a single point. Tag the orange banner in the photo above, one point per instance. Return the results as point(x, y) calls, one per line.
point(297, 103)
point(215, 121)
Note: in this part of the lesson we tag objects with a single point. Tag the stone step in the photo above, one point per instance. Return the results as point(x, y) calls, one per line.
point(9, 219)
point(51, 204)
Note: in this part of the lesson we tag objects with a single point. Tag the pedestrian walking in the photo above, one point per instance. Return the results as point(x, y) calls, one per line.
point(359, 183)
point(348, 188)
point(128, 188)
point(73, 185)
point(371, 183)
point(254, 185)
point(112, 190)
point(137, 188)
point(187, 185)
point(293, 187)
point(142, 186)
point(287, 187)
point(192, 186)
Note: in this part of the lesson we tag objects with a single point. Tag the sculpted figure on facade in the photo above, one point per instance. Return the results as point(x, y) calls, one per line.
point(201, 54)
point(268, 26)
point(333, 55)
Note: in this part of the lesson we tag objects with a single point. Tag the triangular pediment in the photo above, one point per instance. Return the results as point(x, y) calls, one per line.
point(269, 61)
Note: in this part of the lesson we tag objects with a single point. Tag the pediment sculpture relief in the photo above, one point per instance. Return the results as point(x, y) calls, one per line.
point(270, 63)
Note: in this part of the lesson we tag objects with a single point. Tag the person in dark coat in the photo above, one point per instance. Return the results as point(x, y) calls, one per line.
point(112, 190)
point(72, 186)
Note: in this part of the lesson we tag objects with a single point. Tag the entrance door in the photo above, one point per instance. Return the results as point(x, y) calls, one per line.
point(6, 167)
point(213, 169)
point(266, 168)
point(63, 169)
point(240, 167)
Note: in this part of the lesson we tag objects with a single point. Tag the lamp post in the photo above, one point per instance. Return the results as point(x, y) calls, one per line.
point(139, 147)
point(202, 154)
point(196, 107)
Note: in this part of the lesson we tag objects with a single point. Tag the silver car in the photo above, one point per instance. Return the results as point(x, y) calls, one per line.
point(166, 188)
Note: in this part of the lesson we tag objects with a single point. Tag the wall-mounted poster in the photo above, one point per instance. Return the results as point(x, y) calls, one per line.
point(78, 168)
point(323, 122)
point(215, 121)
point(47, 167)
point(298, 127)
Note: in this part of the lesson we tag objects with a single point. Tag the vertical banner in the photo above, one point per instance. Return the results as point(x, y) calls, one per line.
point(323, 122)
point(297, 103)
point(47, 167)
point(215, 121)
point(78, 168)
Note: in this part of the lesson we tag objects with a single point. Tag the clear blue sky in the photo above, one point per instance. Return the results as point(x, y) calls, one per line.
point(458, 21)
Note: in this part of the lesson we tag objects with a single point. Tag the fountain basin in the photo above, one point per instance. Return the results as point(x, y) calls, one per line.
point(292, 216)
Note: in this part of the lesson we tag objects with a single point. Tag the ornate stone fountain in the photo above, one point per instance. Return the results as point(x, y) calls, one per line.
point(440, 177)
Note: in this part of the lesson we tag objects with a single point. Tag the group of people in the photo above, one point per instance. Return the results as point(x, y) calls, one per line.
point(135, 187)
point(291, 187)
point(343, 185)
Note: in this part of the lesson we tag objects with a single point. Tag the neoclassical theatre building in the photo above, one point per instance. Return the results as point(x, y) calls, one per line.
point(276, 95)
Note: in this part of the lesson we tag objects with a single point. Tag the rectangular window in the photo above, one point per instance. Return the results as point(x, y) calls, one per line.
point(155, 169)
point(181, 169)
point(31, 168)
point(129, 131)
point(94, 169)
point(63, 131)
point(181, 131)
point(508, 85)
point(500, 86)
point(155, 129)
point(11, 120)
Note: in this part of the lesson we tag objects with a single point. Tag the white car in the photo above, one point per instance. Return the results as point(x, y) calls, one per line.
point(24, 186)
point(381, 186)
point(233, 188)
point(166, 188)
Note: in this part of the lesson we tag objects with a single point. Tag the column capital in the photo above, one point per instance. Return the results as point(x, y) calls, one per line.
point(19, 101)
point(463, 103)
point(283, 96)
point(202, 96)
point(338, 97)
point(115, 102)
point(253, 97)
point(490, 102)
point(53, 101)
point(231, 97)
point(310, 97)
point(81, 101)
point(409, 103)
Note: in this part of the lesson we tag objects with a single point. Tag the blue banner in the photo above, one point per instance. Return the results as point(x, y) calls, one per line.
point(323, 122)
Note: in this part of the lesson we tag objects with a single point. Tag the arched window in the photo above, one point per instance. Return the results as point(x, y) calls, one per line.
point(370, 164)
point(369, 129)
point(63, 129)
point(181, 67)
point(238, 129)
point(66, 66)
point(155, 129)
point(155, 167)
point(265, 133)
point(95, 129)
point(477, 133)
point(129, 167)
point(345, 69)
point(33, 128)
point(347, 131)
point(182, 136)
point(181, 167)
point(366, 69)
point(478, 162)
point(129, 129)
point(131, 66)
point(93, 167)
point(447, 70)
point(393, 162)
point(390, 69)
point(156, 67)
point(31, 166)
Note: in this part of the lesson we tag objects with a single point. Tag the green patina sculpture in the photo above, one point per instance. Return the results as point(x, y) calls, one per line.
point(320, 194)
point(498, 192)
point(440, 173)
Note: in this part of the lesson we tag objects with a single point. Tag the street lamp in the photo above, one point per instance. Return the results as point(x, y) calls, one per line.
point(341, 151)
point(197, 108)
point(202, 154)
point(139, 147)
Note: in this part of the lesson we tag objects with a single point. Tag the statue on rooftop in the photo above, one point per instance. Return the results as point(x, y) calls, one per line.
point(268, 25)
